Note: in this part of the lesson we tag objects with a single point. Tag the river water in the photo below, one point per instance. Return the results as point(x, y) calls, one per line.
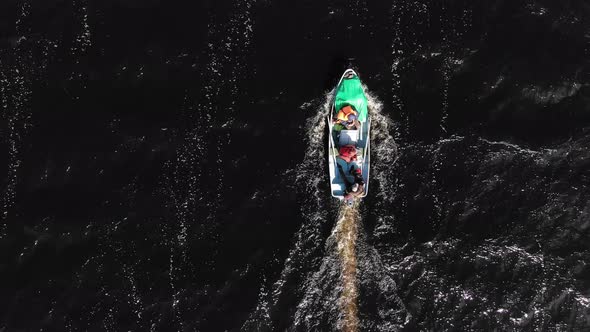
point(163, 166)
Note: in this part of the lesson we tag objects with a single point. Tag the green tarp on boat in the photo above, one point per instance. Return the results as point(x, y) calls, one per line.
point(350, 92)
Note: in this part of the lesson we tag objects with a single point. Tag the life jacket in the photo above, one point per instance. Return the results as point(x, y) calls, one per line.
point(345, 112)
point(347, 153)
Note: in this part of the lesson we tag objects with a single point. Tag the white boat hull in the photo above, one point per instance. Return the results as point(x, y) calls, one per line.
point(360, 138)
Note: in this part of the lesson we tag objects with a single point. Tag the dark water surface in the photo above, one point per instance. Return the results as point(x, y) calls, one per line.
point(163, 165)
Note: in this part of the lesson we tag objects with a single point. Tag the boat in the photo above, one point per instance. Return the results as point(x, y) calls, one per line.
point(349, 92)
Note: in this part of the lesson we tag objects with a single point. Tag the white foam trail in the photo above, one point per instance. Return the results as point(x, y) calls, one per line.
point(302, 273)
point(384, 150)
point(370, 268)
point(310, 174)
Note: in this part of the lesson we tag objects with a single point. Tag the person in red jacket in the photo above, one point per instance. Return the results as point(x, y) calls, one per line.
point(356, 187)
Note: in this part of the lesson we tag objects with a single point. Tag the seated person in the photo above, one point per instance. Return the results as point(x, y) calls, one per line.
point(350, 172)
point(347, 118)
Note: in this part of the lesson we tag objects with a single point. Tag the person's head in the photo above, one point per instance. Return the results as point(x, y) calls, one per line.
point(351, 118)
point(347, 151)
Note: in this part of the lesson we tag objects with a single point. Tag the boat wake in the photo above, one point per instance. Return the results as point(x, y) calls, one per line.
point(346, 236)
point(320, 276)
